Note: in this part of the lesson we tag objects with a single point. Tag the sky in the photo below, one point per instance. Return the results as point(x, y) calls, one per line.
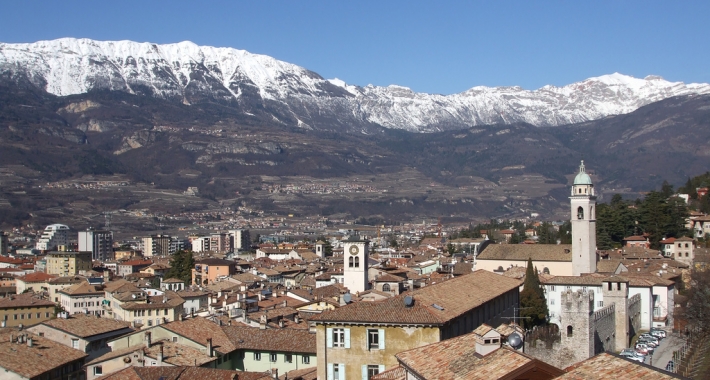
point(440, 47)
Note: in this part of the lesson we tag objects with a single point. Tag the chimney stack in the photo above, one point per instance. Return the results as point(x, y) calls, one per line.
point(160, 356)
point(29, 342)
point(147, 339)
point(209, 347)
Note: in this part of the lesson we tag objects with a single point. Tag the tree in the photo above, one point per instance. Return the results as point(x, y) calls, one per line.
point(533, 305)
point(181, 265)
point(327, 247)
point(393, 243)
point(697, 310)
point(545, 234)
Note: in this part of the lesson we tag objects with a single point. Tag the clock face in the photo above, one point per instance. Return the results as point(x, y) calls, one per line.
point(354, 249)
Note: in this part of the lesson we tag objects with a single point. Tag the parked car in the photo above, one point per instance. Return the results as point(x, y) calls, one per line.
point(643, 346)
point(639, 359)
point(642, 351)
point(633, 355)
point(650, 343)
point(660, 334)
point(649, 338)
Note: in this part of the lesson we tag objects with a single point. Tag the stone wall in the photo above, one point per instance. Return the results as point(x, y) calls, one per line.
point(604, 325)
point(634, 315)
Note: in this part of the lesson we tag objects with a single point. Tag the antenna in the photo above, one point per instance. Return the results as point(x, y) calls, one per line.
point(107, 218)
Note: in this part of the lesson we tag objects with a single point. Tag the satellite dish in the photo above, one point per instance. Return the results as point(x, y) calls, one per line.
point(408, 301)
point(347, 298)
point(515, 341)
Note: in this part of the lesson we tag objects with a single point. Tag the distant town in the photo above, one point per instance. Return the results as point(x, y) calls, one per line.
point(244, 295)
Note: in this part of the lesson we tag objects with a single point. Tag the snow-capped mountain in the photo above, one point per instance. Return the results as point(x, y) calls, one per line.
point(289, 94)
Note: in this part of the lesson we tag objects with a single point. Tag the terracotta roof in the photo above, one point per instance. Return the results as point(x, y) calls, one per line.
point(670, 240)
point(247, 277)
point(283, 340)
point(137, 263)
point(29, 362)
point(389, 278)
point(178, 354)
point(434, 304)
point(182, 373)
point(635, 238)
point(173, 280)
point(333, 290)
point(83, 288)
point(637, 280)
point(68, 280)
point(607, 266)
point(213, 262)
point(456, 358)
point(84, 326)
point(37, 277)
point(23, 300)
point(199, 329)
point(302, 374)
point(608, 366)
point(394, 373)
point(521, 252)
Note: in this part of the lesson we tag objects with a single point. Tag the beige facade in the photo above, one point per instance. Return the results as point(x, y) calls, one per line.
point(555, 268)
point(356, 352)
point(68, 263)
point(25, 309)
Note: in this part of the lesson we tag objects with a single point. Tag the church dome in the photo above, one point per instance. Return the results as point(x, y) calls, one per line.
point(582, 177)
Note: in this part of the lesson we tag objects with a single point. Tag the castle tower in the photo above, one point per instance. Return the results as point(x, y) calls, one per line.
point(615, 290)
point(576, 325)
point(355, 255)
point(583, 218)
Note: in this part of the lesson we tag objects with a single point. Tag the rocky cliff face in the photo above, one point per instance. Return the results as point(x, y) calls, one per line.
point(285, 94)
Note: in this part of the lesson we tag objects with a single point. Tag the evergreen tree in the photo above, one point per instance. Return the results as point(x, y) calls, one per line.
point(533, 305)
point(545, 234)
point(181, 265)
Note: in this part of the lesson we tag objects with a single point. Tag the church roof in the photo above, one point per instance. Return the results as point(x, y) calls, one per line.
point(582, 177)
point(521, 252)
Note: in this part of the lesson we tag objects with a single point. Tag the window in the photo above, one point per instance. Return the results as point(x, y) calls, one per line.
point(373, 339)
point(580, 213)
point(98, 370)
point(75, 343)
point(552, 288)
point(336, 371)
point(686, 254)
point(38, 315)
point(305, 359)
point(372, 370)
point(273, 357)
point(569, 331)
point(386, 287)
point(351, 262)
point(150, 322)
point(22, 316)
point(686, 245)
point(357, 262)
point(552, 301)
point(257, 356)
point(46, 314)
point(338, 337)
point(600, 303)
point(288, 358)
point(175, 339)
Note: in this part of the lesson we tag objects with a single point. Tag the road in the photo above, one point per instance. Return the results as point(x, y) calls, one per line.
point(664, 352)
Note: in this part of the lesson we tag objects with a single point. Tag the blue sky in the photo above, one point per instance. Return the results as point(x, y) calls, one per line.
point(436, 47)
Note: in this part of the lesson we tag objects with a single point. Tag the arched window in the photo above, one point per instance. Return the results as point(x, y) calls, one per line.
point(386, 287)
point(546, 270)
point(585, 190)
point(580, 213)
point(357, 262)
point(569, 331)
point(580, 190)
point(350, 262)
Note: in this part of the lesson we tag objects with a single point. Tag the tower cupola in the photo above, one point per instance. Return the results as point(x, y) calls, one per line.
point(582, 183)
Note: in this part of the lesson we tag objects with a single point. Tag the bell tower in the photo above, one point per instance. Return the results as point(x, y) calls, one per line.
point(584, 226)
point(355, 256)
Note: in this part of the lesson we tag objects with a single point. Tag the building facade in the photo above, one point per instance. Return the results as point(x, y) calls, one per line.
point(68, 263)
point(54, 235)
point(98, 242)
point(583, 219)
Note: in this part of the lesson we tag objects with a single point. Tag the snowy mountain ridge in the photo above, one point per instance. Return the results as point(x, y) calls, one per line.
point(294, 95)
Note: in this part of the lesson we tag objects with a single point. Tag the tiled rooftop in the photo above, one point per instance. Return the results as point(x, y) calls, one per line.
point(28, 362)
point(608, 366)
point(288, 340)
point(394, 373)
point(183, 373)
point(453, 298)
point(199, 329)
point(84, 326)
point(521, 252)
point(23, 300)
point(456, 358)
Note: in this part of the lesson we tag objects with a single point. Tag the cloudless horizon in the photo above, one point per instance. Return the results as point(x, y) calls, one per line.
point(434, 47)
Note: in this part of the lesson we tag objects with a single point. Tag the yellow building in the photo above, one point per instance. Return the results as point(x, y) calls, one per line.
point(25, 309)
point(554, 259)
point(68, 263)
point(362, 338)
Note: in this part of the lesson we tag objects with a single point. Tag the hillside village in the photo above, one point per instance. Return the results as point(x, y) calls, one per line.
point(350, 303)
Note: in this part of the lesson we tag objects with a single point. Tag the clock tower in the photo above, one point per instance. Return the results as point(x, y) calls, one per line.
point(355, 255)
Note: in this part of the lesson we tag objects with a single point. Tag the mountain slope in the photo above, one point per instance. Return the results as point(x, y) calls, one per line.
point(262, 88)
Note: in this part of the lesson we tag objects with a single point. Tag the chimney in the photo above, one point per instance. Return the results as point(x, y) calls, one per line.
point(147, 339)
point(29, 342)
point(209, 347)
point(297, 319)
point(275, 373)
point(160, 356)
point(281, 323)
